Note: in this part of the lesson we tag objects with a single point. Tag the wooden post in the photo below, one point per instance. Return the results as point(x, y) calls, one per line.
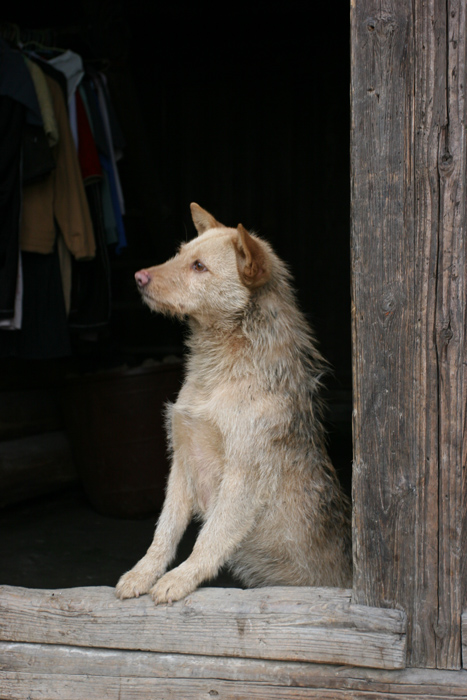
point(409, 303)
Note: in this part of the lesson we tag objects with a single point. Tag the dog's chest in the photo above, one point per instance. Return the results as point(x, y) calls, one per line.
point(198, 445)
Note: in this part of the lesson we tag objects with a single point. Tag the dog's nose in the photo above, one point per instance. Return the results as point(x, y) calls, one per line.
point(142, 278)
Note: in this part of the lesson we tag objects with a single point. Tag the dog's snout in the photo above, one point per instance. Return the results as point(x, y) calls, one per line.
point(142, 278)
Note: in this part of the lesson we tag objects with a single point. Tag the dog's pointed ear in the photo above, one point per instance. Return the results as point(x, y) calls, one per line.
point(252, 259)
point(202, 219)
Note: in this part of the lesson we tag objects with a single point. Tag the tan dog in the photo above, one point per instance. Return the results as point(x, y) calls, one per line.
point(249, 457)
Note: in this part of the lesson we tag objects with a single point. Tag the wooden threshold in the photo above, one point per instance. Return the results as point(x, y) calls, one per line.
point(57, 672)
point(299, 624)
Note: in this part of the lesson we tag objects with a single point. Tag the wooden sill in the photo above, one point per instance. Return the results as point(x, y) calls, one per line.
point(283, 623)
point(55, 672)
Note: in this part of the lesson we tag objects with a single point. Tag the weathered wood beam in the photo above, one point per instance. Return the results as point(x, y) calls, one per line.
point(409, 175)
point(464, 639)
point(450, 340)
point(73, 673)
point(299, 624)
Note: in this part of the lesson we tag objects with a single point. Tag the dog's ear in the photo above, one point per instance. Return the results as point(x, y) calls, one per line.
point(202, 219)
point(253, 264)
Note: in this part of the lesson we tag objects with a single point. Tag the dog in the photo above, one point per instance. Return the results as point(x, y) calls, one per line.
point(246, 436)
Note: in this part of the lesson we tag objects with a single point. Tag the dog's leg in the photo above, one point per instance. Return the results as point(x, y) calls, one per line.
point(174, 518)
point(229, 522)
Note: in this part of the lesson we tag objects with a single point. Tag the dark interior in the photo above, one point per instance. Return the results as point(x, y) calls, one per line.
point(245, 112)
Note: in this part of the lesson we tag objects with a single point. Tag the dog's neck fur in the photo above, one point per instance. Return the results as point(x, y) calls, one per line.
point(271, 326)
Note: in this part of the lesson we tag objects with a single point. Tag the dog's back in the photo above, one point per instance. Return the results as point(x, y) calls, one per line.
point(249, 454)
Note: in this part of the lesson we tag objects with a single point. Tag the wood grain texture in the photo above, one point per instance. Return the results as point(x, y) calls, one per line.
point(450, 334)
point(53, 671)
point(41, 687)
point(408, 316)
point(300, 624)
point(464, 639)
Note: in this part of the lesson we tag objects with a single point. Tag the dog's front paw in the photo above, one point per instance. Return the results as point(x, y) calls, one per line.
point(172, 586)
point(134, 583)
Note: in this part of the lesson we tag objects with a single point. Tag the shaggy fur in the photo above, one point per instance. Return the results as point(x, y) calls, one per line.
point(249, 456)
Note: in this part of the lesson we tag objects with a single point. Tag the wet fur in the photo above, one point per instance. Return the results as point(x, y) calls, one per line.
point(249, 456)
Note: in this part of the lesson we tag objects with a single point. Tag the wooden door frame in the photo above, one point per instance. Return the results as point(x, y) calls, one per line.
point(408, 184)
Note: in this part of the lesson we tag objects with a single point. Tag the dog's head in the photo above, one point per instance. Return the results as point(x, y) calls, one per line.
point(212, 276)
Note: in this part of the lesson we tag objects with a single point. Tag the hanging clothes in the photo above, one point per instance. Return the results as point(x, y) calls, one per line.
point(19, 108)
point(106, 119)
point(44, 330)
point(71, 65)
point(38, 158)
point(90, 293)
point(53, 73)
point(16, 83)
point(61, 201)
point(44, 98)
point(12, 120)
point(88, 157)
point(109, 163)
point(14, 323)
point(59, 198)
point(110, 207)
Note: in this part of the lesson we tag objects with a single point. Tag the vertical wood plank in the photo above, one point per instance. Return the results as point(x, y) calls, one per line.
point(450, 340)
point(429, 118)
point(383, 271)
point(408, 291)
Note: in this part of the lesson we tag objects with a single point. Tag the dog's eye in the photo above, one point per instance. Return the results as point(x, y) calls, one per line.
point(199, 267)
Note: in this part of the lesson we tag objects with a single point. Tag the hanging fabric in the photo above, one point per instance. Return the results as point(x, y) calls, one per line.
point(61, 201)
point(59, 198)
